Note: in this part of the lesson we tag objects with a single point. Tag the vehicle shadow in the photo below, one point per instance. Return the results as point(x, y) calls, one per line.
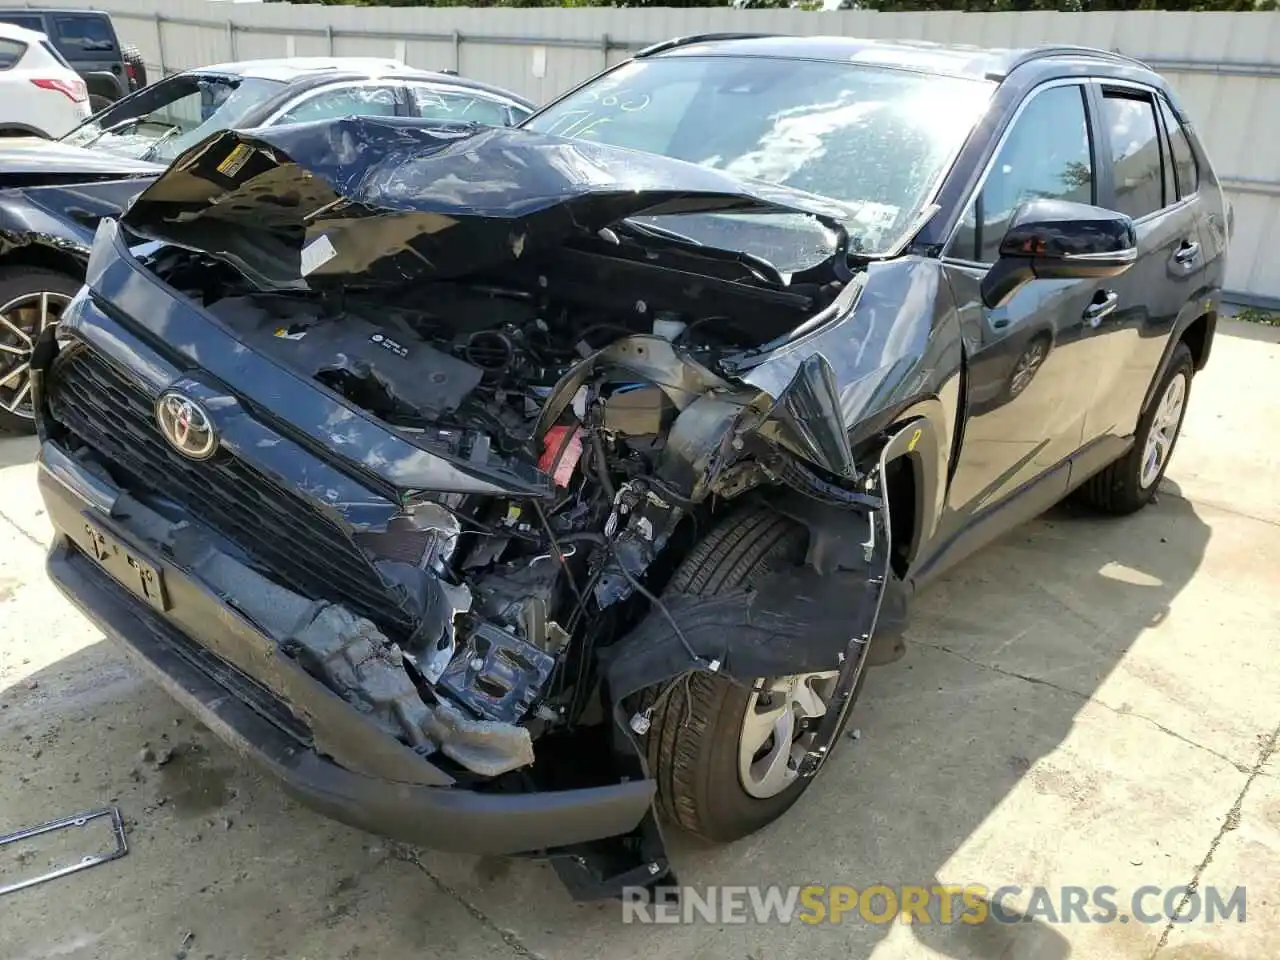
point(1003, 657)
point(1030, 629)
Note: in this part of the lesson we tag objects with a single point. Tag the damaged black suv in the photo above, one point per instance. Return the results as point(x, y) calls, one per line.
point(517, 490)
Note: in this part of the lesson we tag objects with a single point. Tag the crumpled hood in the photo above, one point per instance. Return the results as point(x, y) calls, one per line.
point(389, 200)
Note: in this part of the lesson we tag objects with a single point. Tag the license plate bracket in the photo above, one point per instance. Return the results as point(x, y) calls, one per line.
point(144, 580)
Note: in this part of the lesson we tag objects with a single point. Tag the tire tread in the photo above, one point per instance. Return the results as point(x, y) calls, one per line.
point(688, 709)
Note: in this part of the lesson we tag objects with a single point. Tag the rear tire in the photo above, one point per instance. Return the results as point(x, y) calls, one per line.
point(693, 740)
point(98, 103)
point(1128, 484)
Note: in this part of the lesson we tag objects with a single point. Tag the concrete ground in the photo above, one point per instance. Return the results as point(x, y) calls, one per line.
point(1086, 702)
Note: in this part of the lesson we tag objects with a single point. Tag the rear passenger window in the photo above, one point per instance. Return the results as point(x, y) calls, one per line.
point(1184, 161)
point(1046, 154)
point(1135, 152)
point(11, 52)
point(434, 104)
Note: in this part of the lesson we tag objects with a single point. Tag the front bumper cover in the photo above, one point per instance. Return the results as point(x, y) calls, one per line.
point(230, 675)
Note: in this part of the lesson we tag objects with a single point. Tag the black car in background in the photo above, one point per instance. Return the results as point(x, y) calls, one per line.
point(52, 194)
point(87, 41)
point(513, 490)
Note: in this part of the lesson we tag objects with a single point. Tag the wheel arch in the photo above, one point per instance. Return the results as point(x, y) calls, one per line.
point(22, 130)
point(103, 83)
point(916, 455)
point(1197, 333)
point(44, 256)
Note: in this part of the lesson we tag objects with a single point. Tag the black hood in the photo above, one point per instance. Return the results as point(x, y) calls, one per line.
point(388, 200)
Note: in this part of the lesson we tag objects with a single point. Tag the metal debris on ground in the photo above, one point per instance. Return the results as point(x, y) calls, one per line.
point(90, 860)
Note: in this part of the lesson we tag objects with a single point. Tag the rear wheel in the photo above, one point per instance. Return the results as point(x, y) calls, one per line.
point(31, 298)
point(725, 755)
point(1128, 484)
point(98, 103)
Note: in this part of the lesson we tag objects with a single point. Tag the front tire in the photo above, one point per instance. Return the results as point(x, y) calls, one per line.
point(701, 721)
point(1128, 484)
point(31, 298)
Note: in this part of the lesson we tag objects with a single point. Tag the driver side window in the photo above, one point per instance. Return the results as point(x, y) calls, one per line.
point(1046, 154)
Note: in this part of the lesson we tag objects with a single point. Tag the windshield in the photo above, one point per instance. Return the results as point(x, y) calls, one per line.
point(877, 138)
point(158, 123)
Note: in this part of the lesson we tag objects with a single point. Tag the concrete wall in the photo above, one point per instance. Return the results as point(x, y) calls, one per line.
point(1224, 66)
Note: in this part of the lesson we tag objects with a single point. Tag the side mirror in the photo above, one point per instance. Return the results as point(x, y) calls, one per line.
point(1059, 240)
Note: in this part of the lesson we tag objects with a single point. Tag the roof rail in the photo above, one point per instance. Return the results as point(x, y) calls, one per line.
point(1066, 50)
point(674, 42)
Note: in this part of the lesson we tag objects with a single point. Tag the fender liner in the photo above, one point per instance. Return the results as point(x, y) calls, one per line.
point(818, 616)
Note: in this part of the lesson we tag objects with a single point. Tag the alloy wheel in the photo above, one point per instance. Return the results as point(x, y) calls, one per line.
point(22, 320)
point(778, 728)
point(1027, 367)
point(1163, 430)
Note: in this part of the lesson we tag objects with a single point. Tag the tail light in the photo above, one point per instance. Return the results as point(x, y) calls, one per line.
point(131, 72)
point(73, 90)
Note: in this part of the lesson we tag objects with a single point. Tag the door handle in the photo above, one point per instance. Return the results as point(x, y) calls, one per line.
point(1187, 253)
point(1096, 311)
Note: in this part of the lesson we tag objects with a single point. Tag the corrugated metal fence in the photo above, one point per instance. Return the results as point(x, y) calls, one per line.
point(1224, 66)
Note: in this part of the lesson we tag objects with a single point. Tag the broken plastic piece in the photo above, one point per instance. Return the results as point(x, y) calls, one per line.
point(561, 451)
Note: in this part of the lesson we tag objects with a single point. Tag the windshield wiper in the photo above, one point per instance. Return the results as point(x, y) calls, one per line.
point(155, 144)
point(762, 268)
point(653, 230)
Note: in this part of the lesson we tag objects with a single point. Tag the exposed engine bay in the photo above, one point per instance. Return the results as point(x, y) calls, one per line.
point(581, 367)
point(636, 440)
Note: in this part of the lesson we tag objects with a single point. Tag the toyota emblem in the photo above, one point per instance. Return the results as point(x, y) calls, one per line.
point(186, 426)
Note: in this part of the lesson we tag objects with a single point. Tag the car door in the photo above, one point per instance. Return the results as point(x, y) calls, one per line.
point(1128, 344)
point(1028, 387)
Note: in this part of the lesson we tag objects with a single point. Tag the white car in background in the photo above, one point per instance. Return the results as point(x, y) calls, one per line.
point(40, 95)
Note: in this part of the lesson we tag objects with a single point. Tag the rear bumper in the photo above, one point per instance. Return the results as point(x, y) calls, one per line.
point(231, 676)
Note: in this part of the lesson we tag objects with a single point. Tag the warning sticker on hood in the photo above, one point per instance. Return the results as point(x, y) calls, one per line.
point(316, 254)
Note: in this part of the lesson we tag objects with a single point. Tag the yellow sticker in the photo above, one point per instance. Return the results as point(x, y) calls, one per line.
point(234, 160)
point(915, 438)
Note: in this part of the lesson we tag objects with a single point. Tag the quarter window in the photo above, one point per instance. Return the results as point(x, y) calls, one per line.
point(1184, 161)
point(1046, 154)
point(1135, 152)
